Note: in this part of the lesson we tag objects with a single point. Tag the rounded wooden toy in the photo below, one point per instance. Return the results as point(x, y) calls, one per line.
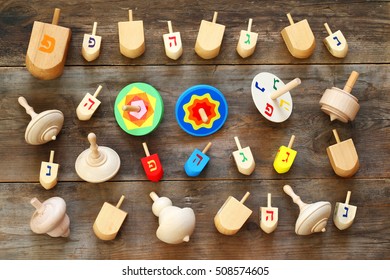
point(343, 157)
point(176, 225)
point(232, 215)
point(131, 37)
point(50, 217)
point(269, 216)
point(152, 165)
point(312, 217)
point(272, 97)
point(91, 45)
point(201, 110)
point(247, 41)
point(109, 220)
point(43, 127)
point(340, 103)
point(299, 38)
point(285, 157)
point(88, 105)
point(197, 161)
point(48, 173)
point(243, 159)
point(344, 214)
point(336, 43)
point(138, 109)
point(172, 43)
point(209, 39)
point(98, 163)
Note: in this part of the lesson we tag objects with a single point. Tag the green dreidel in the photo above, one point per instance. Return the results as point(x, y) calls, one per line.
point(244, 159)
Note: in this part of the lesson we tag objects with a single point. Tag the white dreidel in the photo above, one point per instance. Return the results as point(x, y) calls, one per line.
point(49, 172)
point(247, 41)
point(91, 45)
point(243, 158)
point(269, 216)
point(88, 105)
point(344, 213)
point(172, 43)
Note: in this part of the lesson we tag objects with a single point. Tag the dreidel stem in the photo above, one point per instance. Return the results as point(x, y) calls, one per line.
point(291, 141)
point(94, 28)
point(118, 205)
point(269, 200)
point(237, 142)
point(131, 108)
point(215, 17)
point(146, 149)
point(327, 28)
point(56, 16)
point(37, 205)
point(245, 197)
point(287, 87)
point(153, 196)
point(351, 81)
point(51, 156)
point(203, 115)
point(296, 199)
point(336, 135)
point(97, 91)
point(29, 110)
point(290, 19)
point(130, 15)
point(170, 26)
point(250, 25)
point(94, 147)
point(348, 197)
point(206, 148)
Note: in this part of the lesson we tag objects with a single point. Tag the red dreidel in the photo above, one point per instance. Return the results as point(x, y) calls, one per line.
point(152, 165)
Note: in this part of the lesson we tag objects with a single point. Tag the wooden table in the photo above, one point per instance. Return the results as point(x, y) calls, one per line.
point(367, 29)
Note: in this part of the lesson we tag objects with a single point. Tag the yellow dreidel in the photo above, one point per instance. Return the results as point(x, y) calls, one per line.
point(48, 173)
point(88, 105)
point(109, 220)
point(131, 37)
point(209, 40)
point(243, 158)
point(47, 50)
point(232, 215)
point(91, 45)
point(299, 38)
point(343, 157)
point(269, 217)
point(336, 43)
point(247, 41)
point(285, 157)
point(344, 213)
point(172, 43)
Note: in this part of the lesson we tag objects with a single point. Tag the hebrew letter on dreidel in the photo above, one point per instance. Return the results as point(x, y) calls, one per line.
point(91, 42)
point(257, 86)
point(92, 103)
point(48, 173)
point(199, 157)
point(269, 109)
point(47, 44)
point(152, 165)
point(174, 41)
point(270, 214)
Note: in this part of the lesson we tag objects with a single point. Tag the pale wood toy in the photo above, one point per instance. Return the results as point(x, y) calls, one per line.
point(299, 38)
point(344, 213)
point(285, 157)
point(336, 43)
point(269, 216)
point(243, 158)
point(340, 104)
point(172, 43)
point(88, 105)
point(247, 42)
point(49, 172)
point(131, 37)
point(272, 97)
point(176, 225)
point(47, 49)
point(152, 165)
point(232, 215)
point(98, 163)
point(312, 217)
point(50, 217)
point(43, 127)
point(91, 45)
point(343, 157)
point(209, 40)
point(109, 220)
point(197, 161)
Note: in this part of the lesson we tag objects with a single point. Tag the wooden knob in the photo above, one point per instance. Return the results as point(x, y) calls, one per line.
point(351, 81)
point(29, 110)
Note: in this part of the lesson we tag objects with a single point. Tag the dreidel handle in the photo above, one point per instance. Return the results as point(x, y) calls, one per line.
point(296, 199)
point(56, 16)
point(351, 81)
point(94, 28)
point(245, 197)
point(290, 19)
point(287, 87)
point(93, 146)
point(206, 148)
point(118, 205)
point(269, 200)
point(336, 135)
point(37, 205)
point(170, 30)
point(29, 110)
point(51, 156)
point(327, 28)
point(291, 141)
point(97, 91)
point(215, 17)
point(131, 108)
point(146, 149)
point(348, 197)
point(237, 143)
point(203, 115)
point(249, 25)
point(130, 15)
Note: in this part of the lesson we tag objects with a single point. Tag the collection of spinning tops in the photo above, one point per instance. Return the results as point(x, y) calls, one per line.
point(200, 111)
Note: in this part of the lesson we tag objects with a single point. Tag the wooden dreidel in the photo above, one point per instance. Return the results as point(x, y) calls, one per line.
point(209, 40)
point(48, 173)
point(88, 105)
point(109, 220)
point(343, 157)
point(232, 215)
point(243, 158)
point(47, 50)
point(152, 165)
point(172, 43)
point(340, 103)
point(91, 45)
point(285, 157)
point(269, 217)
point(336, 43)
point(247, 41)
point(50, 217)
point(43, 127)
point(312, 217)
point(197, 161)
point(98, 163)
point(344, 213)
point(131, 37)
point(176, 225)
point(299, 38)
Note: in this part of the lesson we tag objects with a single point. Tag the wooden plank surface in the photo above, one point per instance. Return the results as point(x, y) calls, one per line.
point(366, 27)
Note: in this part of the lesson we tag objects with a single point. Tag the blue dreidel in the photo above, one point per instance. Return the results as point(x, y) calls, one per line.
point(197, 161)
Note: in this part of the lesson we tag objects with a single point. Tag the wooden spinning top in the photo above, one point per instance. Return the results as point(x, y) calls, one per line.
point(50, 217)
point(344, 213)
point(312, 217)
point(247, 41)
point(44, 126)
point(98, 163)
point(340, 103)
